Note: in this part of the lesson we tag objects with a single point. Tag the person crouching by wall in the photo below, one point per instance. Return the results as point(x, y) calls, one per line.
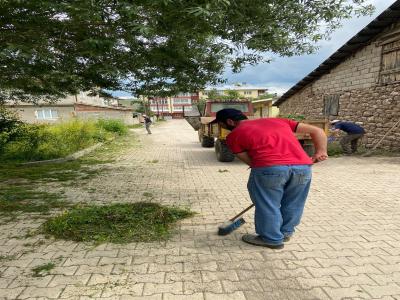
point(354, 132)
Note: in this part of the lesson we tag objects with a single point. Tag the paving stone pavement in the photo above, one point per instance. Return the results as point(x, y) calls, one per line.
point(347, 246)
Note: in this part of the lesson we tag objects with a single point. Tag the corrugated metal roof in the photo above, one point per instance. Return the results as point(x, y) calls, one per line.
point(386, 18)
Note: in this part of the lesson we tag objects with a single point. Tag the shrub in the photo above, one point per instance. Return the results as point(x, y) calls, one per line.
point(25, 143)
point(334, 149)
point(9, 126)
point(113, 125)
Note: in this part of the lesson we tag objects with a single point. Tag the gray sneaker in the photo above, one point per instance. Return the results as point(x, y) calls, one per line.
point(258, 241)
point(286, 238)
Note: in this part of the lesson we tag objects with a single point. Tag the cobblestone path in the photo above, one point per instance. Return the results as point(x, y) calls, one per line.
point(347, 246)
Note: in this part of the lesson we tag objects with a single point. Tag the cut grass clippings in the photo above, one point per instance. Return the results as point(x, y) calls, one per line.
point(76, 170)
point(116, 223)
point(25, 199)
point(154, 161)
point(19, 192)
point(42, 270)
point(71, 170)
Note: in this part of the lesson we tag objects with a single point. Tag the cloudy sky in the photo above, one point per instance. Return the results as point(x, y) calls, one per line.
point(281, 74)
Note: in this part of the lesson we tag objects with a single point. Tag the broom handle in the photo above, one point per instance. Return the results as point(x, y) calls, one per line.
point(241, 213)
point(390, 130)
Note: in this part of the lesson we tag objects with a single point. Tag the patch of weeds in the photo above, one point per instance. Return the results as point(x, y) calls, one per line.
point(7, 257)
point(66, 171)
point(110, 150)
point(116, 223)
point(43, 270)
point(222, 171)
point(147, 194)
point(30, 233)
point(8, 219)
point(154, 161)
point(40, 243)
point(91, 190)
point(26, 199)
point(334, 149)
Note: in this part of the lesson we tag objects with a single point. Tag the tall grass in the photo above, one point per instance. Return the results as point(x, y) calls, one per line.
point(41, 142)
point(113, 125)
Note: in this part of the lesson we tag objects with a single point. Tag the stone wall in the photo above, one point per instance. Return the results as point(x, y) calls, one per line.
point(83, 111)
point(377, 109)
point(361, 97)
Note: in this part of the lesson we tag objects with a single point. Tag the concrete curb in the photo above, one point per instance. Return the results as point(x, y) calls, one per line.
point(70, 157)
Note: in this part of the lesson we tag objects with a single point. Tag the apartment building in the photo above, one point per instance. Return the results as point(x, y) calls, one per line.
point(173, 107)
point(244, 90)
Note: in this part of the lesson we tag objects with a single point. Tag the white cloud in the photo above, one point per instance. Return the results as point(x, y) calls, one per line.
point(282, 73)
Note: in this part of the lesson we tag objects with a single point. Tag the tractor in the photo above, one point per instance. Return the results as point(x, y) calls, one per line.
point(213, 135)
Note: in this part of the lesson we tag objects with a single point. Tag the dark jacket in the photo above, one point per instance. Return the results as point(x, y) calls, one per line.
point(349, 127)
point(147, 120)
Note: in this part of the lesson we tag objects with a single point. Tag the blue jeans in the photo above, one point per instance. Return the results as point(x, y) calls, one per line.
point(279, 194)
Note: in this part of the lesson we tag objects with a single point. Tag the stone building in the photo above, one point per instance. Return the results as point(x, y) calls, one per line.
point(360, 82)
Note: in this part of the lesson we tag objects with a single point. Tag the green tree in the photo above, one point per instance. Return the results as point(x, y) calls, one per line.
point(267, 96)
point(152, 47)
point(232, 95)
point(213, 94)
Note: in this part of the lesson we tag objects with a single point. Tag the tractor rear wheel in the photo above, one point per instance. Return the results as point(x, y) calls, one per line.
point(222, 151)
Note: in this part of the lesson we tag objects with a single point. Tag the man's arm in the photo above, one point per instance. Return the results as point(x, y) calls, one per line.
point(244, 157)
point(319, 139)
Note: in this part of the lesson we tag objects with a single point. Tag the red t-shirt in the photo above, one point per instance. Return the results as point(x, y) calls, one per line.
point(268, 142)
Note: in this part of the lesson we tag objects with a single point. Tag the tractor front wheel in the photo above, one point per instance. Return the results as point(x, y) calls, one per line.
point(206, 141)
point(222, 151)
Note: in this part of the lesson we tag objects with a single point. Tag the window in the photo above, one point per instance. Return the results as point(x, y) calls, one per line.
point(331, 105)
point(177, 108)
point(181, 100)
point(247, 92)
point(46, 114)
point(390, 66)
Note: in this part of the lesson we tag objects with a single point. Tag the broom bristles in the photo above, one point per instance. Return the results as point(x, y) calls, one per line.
point(228, 227)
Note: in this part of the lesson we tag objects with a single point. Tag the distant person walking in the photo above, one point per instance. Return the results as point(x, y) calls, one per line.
point(147, 123)
point(354, 132)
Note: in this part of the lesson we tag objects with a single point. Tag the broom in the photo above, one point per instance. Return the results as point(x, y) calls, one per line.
point(233, 223)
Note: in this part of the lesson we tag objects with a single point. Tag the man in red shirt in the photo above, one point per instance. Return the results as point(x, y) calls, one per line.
point(280, 175)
